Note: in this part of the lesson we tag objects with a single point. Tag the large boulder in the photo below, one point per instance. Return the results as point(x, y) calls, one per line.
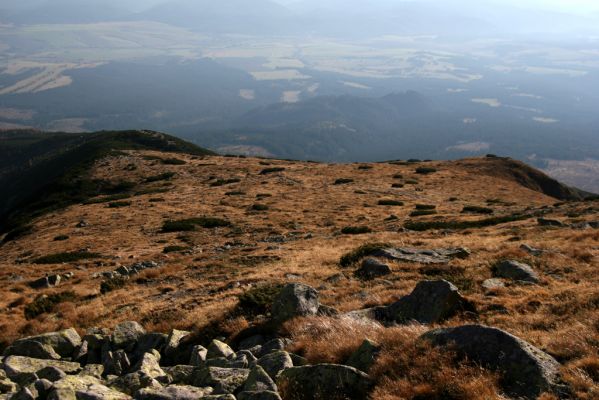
point(259, 380)
point(430, 302)
point(83, 387)
point(176, 350)
point(526, 370)
point(324, 381)
point(150, 366)
point(276, 362)
point(422, 256)
point(22, 369)
point(218, 349)
point(372, 268)
point(64, 343)
point(126, 335)
point(6, 385)
point(223, 380)
point(516, 271)
point(173, 392)
point(295, 300)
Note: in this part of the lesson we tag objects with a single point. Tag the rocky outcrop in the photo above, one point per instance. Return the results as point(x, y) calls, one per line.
point(372, 268)
point(48, 346)
point(423, 256)
point(526, 370)
point(515, 271)
point(295, 300)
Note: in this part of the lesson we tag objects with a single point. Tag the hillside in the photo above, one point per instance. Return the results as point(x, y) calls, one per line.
point(204, 243)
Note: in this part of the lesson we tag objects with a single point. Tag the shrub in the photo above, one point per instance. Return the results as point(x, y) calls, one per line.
point(397, 185)
point(172, 161)
point(235, 193)
point(113, 284)
point(258, 300)
point(186, 225)
point(271, 170)
point(477, 210)
point(398, 176)
point(173, 249)
point(386, 202)
point(425, 170)
point(428, 225)
point(343, 181)
point(412, 182)
point(259, 207)
point(61, 238)
point(355, 230)
point(156, 200)
point(223, 182)
point(357, 254)
point(364, 167)
point(46, 303)
point(60, 258)
point(425, 207)
point(161, 177)
point(119, 204)
point(420, 213)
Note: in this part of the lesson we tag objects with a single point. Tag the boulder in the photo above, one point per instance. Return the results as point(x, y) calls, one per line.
point(514, 270)
point(173, 392)
point(64, 343)
point(42, 387)
point(23, 369)
point(261, 395)
point(223, 380)
point(6, 385)
point(180, 374)
point(365, 356)
point(372, 268)
point(115, 362)
point(527, 371)
point(430, 302)
point(131, 383)
point(235, 361)
point(32, 349)
point(219, 397)
point(218, 349)
point(95, 370)
point(324, 381)
point(258, 380)
point(423, 256)
point(493, 284)
point(150, 365)
point(276, 362)
point(270, 346)
point(126, 335)
point(83, 388)
point(549, 222)
point(51, 374)
point(149, 342)
point(24, 393)
point(295, 300)
point(46, 282)
point(198, 356)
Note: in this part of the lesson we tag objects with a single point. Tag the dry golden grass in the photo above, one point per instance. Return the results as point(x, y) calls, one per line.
point(298, 239)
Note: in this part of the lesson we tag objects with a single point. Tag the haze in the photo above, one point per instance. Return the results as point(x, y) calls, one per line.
point(326, 80)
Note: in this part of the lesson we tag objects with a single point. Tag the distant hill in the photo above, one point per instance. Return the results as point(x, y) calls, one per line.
point(40, 172)
point(67, 11)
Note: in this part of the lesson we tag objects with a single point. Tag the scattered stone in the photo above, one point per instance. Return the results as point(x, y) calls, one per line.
point(150, 366)
point(276, 362)
point(372, 268)
point(436, 256)
point(46, 282)
point(259, 380)
point(83, 387)
point(126, 335)
point(22, 369)
point(295, 300)
point(334, 279)
point(430, 302)
point(549, 222)
point(32, 349)
point(365, 356)
point(493, 284)
point(527, 371)
point(173, 392)
point(531, 250)
point(63, 343)
point(223, 380)
point(115, 363)
point(218, 349)
point(516, 271)
point(325, 381)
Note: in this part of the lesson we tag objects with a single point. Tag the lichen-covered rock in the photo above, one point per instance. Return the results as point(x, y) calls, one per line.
point(42, 387)
point(6, 385)
point(218, 349)
point(270, 346)
point(83, 388)
point(94, 370)
point(223, 380)
point(276, 362)
point(132, 382)
point(493, 284)
point(22, 369)
point(516, 271)
point(372, 268)
point(150, 365)
point(50, 373)
point(173, 392)
point(64, 343)
point(126, 335)
point(32, 349)
point(260, 395)
point(365, 356)
point(235, 361)
point(324, 381)
point(180, 374)
point(527, 371)
point(115, 362)
point(258, 380)
point(295, 300)
point(430, 302)
point(423, 256)
point(149, 342)
point(198, 356)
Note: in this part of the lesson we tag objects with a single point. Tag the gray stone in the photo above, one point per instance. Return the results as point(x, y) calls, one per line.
point(259, 380)
point(42, 387)
point(176, 351)
point(372, 268)
point(46, 282)
point(150, 365)
point(261, 395)
point(83, 388)
point(131, 383)
point(24, 394)
point(527, 371)
point(94, 370)
point(64, 343)
point(365, 356)
point(148, 342)
point(325, 381)
point(295, 300)
point(126, 335)
point(430, 302)
point(252, 341)
point(219, 397)
point(19, 369)
point(235, 361)
point(409, 254)
point(493, 284)
point(116, 362)
point(516, 271)
point(549, 222)
point(52, 374)
point(32, 349)
point(173, 392)
point(198, 356)
point(531, 250)
point(223, 380)
point(270, 346)
point(218, 349)
point(180, 374)
point(274, 363)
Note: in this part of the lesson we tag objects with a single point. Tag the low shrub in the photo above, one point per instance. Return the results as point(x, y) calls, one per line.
point(359, 253)
point(46, 303)
point(397, 185)
point(61, 238)
point(173, 249)
point(364, 167)
point(223, 182)
point(425, 207)
point(387, 202)
point(425, 170)
point(186, 225)
point(271, 170)
point(355, 230)
point(113, 284)
point(477, 210)
point(161, 177)
point(458, 225)
point(235, 193)
point(172, 161)
point(420, 213)
point(398, 176)
point(260, 207)
point(60, 258)
point(343, 181)
point(258, 300)
point(119, 204)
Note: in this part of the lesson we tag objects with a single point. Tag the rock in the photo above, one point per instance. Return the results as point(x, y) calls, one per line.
point(295, 300)
point(115, 363)
point(81, 354)
point(219, 397)
point(24, 394)
point(271, 346)
point(549, 222)
point(6, 385)
point(436, 256)
point(32, 349)
point(223, 380)
point(180, 374)
point(493, 284)
point(368, 314)
point(83, 388)
point(261, 395)
point(516, 271)
point(123, 271)
point(51, 374)
point(150, 365)
point(173, 392)
point(252, 341)
point(22, 369)
point(531, 250)
point(64, 343)
point(94, 370)
point(131, 383)
point(126, 335)
point(274, 363)
point(175, 347)
point(259, 380)
point(527, 371)
point(372, 268)
point(430, 302)
point(218, 349)
point(324, 381)
point(42, 387)
point(46, 282)
point(198, 356)
point(365, 356)
point(235, 361)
